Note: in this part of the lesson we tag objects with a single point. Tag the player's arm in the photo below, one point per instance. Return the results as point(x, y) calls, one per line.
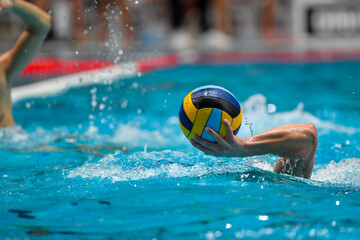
point(37, 26)
point(295, 144)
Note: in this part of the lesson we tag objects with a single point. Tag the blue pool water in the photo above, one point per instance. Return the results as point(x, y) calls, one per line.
point(150, 183)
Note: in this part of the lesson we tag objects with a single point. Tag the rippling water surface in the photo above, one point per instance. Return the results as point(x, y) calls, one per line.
point(110, 160)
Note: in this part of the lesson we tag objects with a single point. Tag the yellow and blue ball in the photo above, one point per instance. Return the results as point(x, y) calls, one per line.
point(209, 106)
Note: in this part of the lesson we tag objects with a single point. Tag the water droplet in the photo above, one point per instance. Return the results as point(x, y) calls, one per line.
point(93, 90)
point(124, 103)
point(210, 235)
point(135, 85)
point(271, 108)
point(117, 59)
point(263, 217)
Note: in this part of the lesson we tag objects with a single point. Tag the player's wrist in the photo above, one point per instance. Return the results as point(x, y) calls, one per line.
point(242, 146)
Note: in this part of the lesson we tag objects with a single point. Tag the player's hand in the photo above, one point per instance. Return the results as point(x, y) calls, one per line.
point(230, 146)
point(6, 5)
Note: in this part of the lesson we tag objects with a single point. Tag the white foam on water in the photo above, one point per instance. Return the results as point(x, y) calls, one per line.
point(264, 165)
point(159, 164)
point(174, 164)
point(16, 138)
point(255, 112)
point(133, 135)
point(346, 172)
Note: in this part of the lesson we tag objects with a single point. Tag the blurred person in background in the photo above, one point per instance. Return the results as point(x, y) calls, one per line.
point(77, 10)
point(107, 12)
point(271, 32)
point(37, 26)
point(215, 32)
point(268, 19)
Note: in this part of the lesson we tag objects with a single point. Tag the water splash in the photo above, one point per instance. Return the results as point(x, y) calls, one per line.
point(140, 132)
point(256, 112)
point(158, 164)
point(166, 133)
point(16, 138)
point(346, 172)
point(174, 164)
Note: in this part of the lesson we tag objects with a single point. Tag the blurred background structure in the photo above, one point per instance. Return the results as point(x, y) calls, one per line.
point(123, 30)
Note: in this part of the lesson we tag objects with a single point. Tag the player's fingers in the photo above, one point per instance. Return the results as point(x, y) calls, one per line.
point(213, 147)
point(229, 133)
point(220, 140)
point(203, 142)
point(202, 148)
